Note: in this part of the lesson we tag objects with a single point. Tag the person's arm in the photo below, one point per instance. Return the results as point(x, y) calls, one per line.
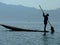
point(43, 15)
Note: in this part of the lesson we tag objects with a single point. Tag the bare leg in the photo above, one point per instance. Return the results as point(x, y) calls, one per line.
point(44, 30)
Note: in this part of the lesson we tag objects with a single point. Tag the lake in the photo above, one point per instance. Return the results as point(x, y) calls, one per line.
point(29, 38)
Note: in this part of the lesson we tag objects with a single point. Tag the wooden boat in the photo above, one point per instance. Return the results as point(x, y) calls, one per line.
point(12, 28)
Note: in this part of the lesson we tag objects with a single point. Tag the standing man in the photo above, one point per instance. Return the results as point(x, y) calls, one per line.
point(45, 20)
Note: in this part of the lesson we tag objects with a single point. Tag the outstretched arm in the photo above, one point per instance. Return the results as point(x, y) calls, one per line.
point(43, 15)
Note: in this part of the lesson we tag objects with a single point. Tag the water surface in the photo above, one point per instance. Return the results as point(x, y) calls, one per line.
point(29, 38)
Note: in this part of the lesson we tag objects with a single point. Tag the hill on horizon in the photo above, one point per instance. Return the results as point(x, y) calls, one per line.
point(27, 14)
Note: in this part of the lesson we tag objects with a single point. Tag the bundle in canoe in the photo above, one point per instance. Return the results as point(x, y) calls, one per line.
point(12, 28)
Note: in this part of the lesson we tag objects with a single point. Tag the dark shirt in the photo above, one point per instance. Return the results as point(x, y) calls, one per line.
point(45, 18)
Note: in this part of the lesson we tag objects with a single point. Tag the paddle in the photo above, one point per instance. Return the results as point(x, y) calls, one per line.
point(52, 28)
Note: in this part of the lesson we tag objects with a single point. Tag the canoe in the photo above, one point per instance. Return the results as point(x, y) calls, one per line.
point(12, 28)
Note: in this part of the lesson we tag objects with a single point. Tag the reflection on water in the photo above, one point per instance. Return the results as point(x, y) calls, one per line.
point(47, 40)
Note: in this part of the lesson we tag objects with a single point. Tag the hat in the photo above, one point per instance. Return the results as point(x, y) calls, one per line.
point(47, 14)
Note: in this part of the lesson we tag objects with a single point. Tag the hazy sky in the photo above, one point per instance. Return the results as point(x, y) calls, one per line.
point(46, 4)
